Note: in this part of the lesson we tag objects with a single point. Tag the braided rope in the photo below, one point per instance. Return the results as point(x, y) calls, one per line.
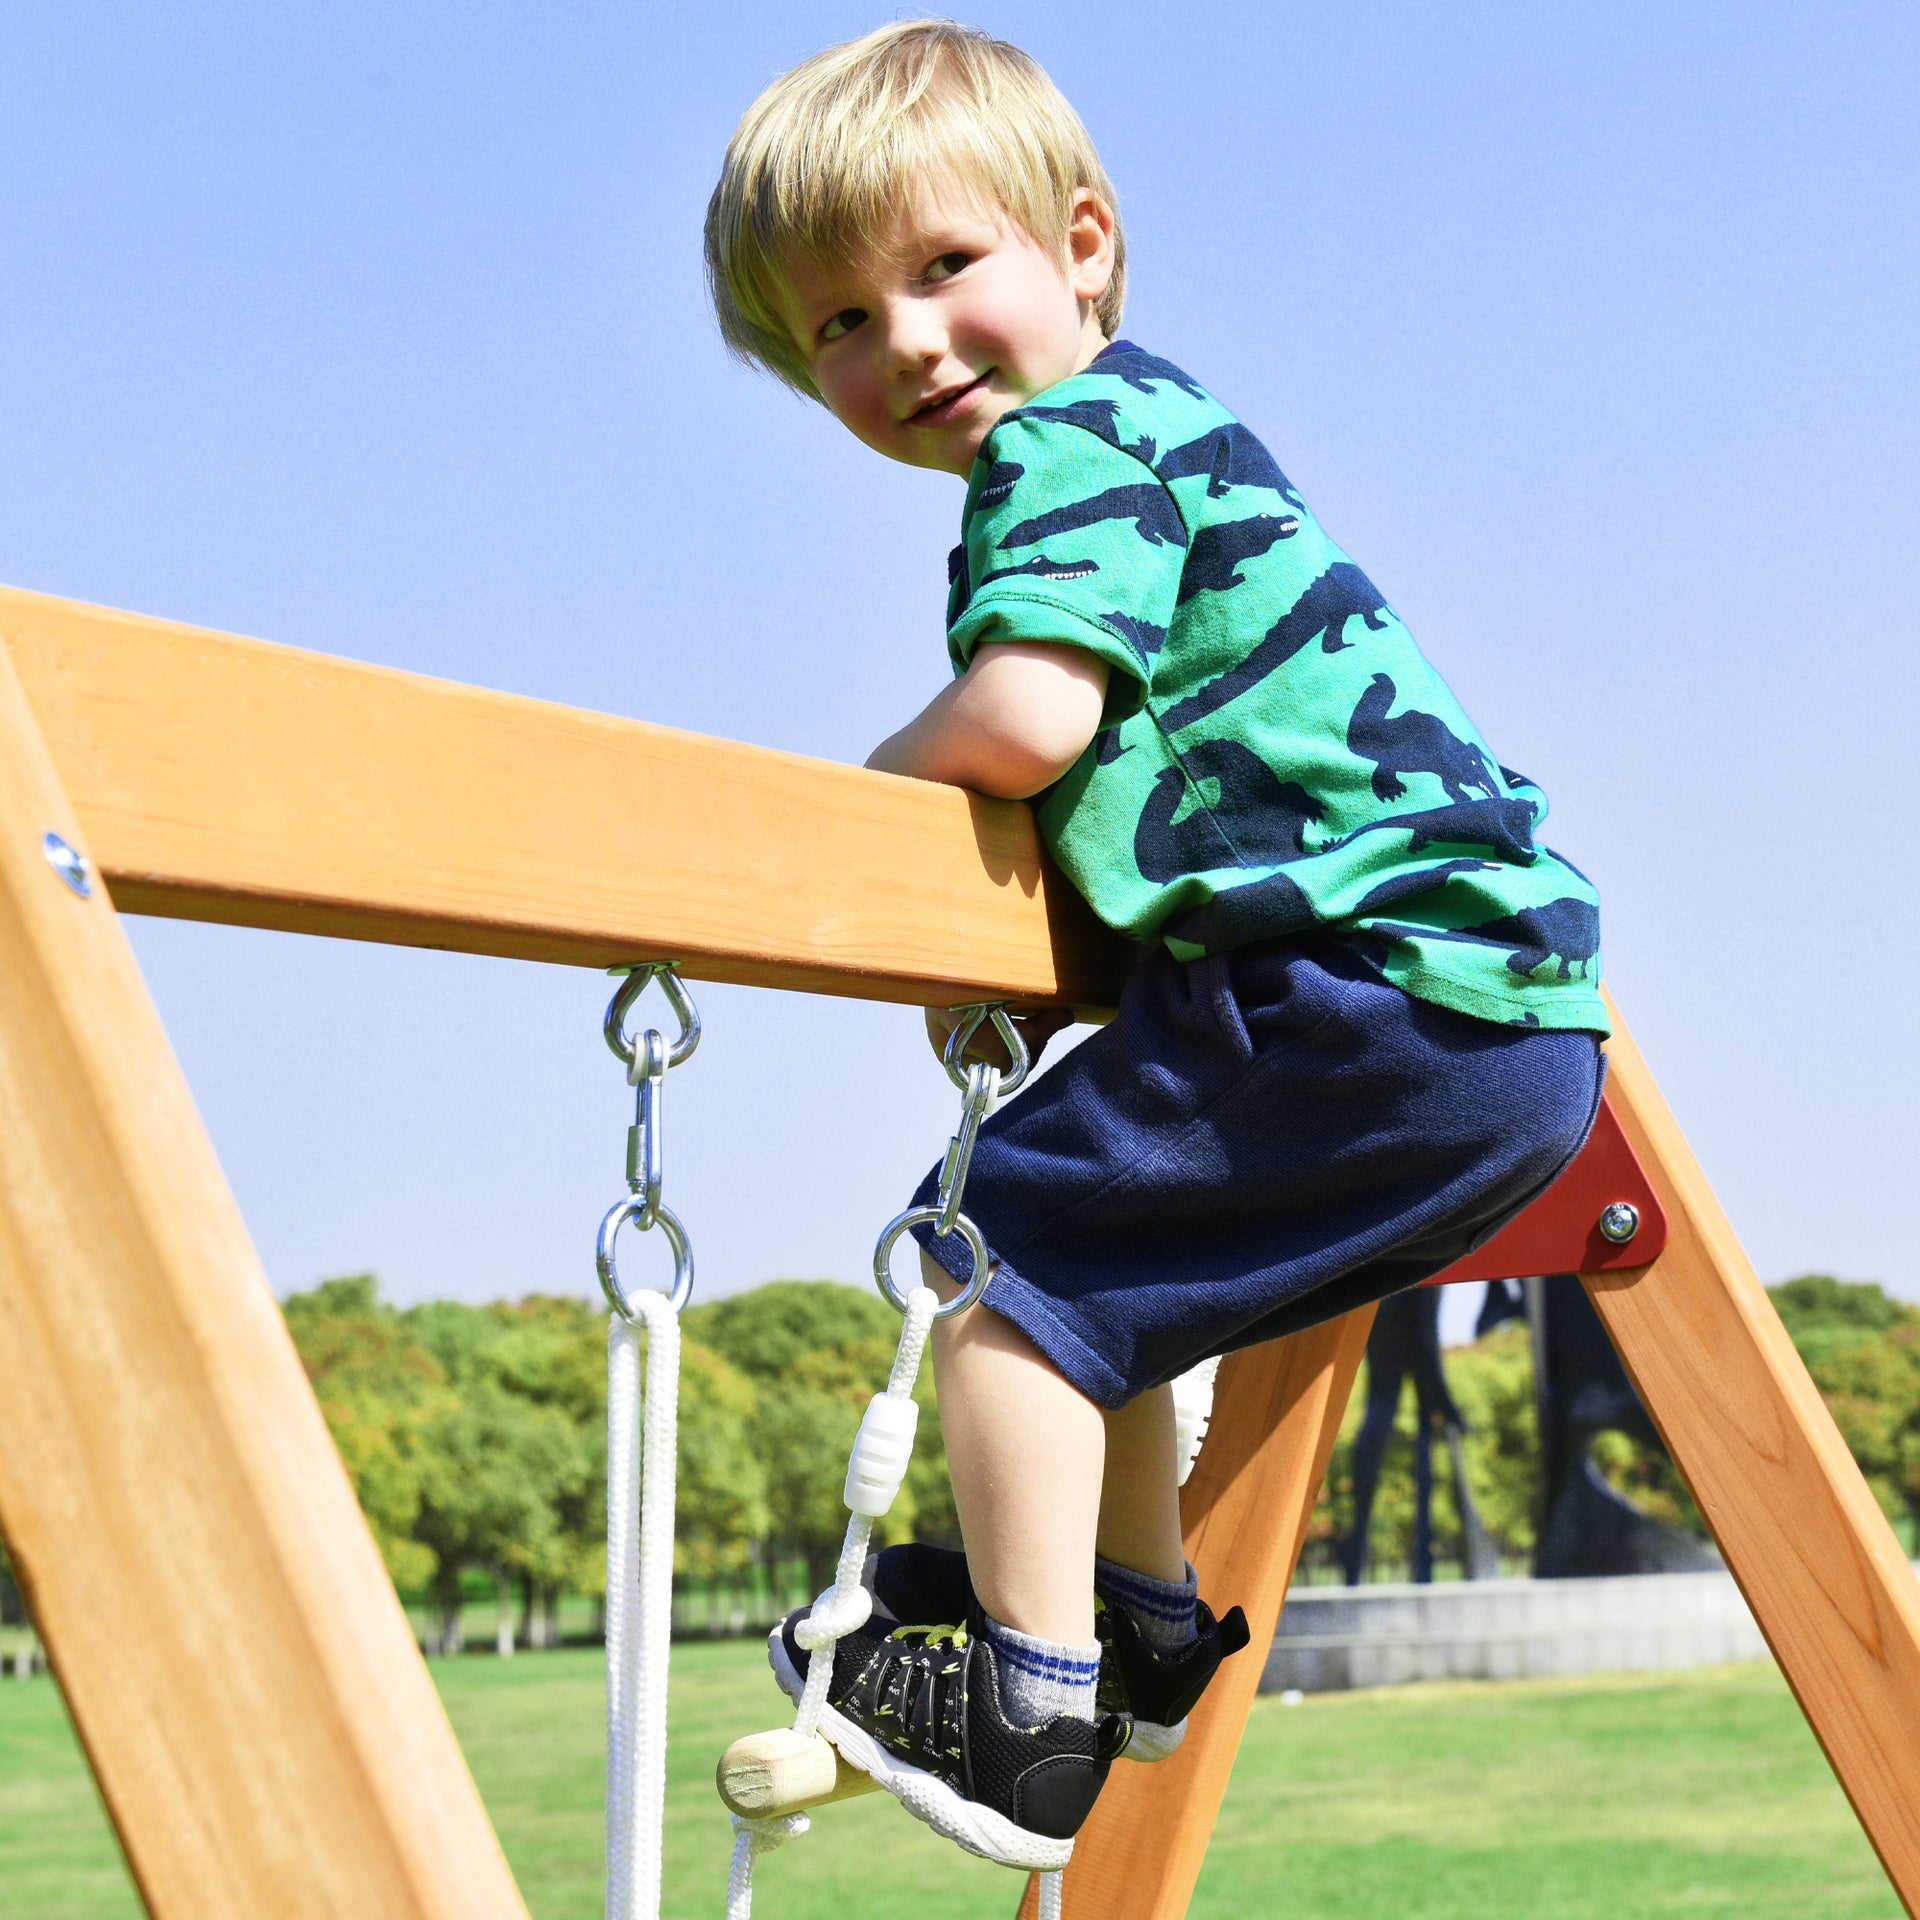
point(842, 1609)
point(641, 1458)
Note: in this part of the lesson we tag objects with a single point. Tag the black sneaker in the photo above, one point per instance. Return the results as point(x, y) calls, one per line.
point(917, 1582)
point(918, 1708)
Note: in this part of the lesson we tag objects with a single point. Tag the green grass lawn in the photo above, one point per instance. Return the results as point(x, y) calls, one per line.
point(1684, 1794)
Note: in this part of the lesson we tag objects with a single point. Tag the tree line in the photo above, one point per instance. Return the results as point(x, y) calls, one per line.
point(475, 1436)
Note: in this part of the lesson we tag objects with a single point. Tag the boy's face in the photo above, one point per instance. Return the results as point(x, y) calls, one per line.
point(958, 319)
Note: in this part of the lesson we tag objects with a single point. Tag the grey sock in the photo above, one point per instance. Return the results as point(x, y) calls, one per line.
point(1164, 1613)
point(1042, 1679)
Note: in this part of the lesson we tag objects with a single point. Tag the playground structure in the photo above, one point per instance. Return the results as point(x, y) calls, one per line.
point(271, 1745)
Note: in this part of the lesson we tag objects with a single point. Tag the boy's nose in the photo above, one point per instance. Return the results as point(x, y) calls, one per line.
point(915, 337)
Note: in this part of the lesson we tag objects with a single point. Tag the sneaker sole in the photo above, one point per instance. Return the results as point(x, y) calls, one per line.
point(925, 1795)
point(1151, 1741)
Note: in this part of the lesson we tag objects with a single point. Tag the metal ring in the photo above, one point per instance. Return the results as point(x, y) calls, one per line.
point(631, 1208)
point(631, 988)
point(916, 1216)
point(1019, 1055)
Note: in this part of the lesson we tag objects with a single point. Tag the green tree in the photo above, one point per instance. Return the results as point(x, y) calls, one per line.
point(381, 1388)
point(723, 1511)
point(1862, 1348)
point(816, 1352)
point(551, 1351)
point(504, 1468)
point(765, 1330)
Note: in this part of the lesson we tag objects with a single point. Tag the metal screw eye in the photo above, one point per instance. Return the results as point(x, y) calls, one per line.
point(1619, 1222)
point(678, 999)
point(70, 864)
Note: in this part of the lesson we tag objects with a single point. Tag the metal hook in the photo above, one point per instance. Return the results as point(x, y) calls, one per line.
point(631, 988)
point(1019, 1056)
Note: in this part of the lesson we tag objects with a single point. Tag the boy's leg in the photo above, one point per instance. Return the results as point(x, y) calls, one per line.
point(1139, 1493)
point(1026, 1452)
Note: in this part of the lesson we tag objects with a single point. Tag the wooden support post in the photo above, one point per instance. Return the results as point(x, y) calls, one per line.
point(262, 1727)
point(1277, 1412)
point(1804, 1537)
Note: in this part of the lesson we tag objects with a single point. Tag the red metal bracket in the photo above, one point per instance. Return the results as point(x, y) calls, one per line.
point(1560, 1232)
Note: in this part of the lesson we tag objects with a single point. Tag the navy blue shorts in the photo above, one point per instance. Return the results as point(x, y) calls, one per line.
point(1258, 1142)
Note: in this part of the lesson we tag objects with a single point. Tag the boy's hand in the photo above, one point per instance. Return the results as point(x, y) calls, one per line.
point(1037, 1025)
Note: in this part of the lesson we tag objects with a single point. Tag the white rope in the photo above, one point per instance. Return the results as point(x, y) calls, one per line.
point(841, 1610)
point(1050, 1894)
point(640, 1471)
point(752, 1838)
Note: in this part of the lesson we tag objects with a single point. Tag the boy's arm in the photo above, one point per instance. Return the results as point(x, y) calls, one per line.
point(1013, 723)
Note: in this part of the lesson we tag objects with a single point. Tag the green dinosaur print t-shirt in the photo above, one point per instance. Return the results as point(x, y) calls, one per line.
point(1276, 754)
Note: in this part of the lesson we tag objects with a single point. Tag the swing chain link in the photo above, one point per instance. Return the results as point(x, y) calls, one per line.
point(981, 1085)
point(647, 1056)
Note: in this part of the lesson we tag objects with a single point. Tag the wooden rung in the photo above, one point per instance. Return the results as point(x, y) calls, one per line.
point(767, 1774)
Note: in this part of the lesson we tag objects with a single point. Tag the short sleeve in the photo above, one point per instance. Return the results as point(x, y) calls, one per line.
point(1070, 540)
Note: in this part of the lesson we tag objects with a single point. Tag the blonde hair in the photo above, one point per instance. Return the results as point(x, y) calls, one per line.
point(826, 157)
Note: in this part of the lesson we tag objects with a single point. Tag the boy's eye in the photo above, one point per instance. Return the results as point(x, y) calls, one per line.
point(842, 323)
point(948, 265)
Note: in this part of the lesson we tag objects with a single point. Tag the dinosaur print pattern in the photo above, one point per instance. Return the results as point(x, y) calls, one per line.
point(1340, 594)
point(1041, 568)
point(1566, 930)
point(1258, 819)
point(1216, 553)
point(1276, 754)
point(1151, 512)
point(1415, 743)
point(1230, 457)
point(1100, 417)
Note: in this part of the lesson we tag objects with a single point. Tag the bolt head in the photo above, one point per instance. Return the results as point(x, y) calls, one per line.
point(70, 864)
point(1619, 1222)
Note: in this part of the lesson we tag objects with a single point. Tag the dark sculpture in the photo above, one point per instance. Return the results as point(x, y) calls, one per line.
point(1406, 1341)
point(1583, 1391)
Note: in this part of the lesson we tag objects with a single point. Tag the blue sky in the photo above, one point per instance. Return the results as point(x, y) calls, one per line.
point(1589, 331)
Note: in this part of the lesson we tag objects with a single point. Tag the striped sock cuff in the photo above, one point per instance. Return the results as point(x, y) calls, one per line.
point(1164, 1613)
point(1042, 1679)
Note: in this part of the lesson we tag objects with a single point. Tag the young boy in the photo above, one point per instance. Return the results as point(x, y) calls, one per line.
point(1365, 1028)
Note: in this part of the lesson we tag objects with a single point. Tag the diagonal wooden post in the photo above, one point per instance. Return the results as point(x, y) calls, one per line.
point(1277, 1413)
point(262, 1727)
point(1804, 1537)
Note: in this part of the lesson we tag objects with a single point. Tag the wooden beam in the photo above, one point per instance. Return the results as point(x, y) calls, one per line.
point(231, 780)
point(1277, 1412)
point(261, 1724)
point(1804, 1537)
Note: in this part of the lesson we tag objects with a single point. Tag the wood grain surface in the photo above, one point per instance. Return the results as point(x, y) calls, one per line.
point(1803, 1535)
point(232, 780)
point(259, 1719)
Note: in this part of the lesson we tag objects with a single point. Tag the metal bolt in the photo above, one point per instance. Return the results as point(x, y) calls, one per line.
point(70, 864)
point(1619, 1222)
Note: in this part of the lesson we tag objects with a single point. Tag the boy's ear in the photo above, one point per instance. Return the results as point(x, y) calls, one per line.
point(1090, 248)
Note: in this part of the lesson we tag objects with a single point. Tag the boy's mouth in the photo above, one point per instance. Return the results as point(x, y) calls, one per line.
point(947, 406)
